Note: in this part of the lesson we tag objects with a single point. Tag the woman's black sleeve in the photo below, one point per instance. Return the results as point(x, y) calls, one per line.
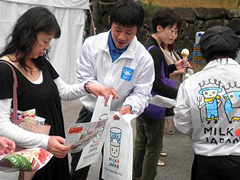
point(51, 69)
point(171, 68)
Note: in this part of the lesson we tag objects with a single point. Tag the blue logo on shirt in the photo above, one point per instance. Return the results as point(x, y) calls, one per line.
point(127, 74)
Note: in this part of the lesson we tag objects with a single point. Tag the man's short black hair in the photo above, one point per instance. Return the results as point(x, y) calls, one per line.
point(127, 13)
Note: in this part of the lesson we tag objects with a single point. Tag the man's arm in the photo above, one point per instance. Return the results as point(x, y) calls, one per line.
point(141, 94)
point(85, 75)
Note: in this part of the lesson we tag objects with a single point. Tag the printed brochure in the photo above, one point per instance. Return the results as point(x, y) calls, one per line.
point(80, 134)
point(25, 160)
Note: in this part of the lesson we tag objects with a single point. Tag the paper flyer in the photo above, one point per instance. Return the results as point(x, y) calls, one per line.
point(28, 160)
point(80, 134)
point(163, 101)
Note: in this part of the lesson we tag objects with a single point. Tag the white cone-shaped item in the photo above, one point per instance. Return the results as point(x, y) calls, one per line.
point(185, 54)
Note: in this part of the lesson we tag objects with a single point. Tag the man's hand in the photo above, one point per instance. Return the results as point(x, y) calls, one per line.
point(124, 110)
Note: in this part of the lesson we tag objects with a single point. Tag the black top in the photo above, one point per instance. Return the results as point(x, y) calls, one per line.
point(158, 57)
point(45, 99)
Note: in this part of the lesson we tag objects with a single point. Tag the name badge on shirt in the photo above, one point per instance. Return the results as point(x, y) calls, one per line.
point(127, 74)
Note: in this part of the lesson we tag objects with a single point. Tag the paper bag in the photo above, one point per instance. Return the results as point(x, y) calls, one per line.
point(118, 148)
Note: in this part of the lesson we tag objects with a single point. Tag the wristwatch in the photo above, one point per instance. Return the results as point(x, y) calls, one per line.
point(86, 86)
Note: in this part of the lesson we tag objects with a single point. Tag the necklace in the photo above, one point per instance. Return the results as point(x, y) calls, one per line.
point(32, 67)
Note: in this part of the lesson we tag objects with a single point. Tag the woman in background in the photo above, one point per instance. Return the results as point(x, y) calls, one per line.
point(150, 124)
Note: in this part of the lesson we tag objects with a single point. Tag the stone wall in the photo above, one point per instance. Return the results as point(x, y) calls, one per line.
point(200, 19)
point(194, 20)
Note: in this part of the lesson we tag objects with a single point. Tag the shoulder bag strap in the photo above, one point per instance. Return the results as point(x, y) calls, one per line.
point(150, 48)
point(15, 85)
point(163, 69)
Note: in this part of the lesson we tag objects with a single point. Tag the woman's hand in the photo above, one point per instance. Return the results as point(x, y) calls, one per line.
point(100, 90)
point(6, 146)
point(57, 148)
point(182, 64)
point(179, 71)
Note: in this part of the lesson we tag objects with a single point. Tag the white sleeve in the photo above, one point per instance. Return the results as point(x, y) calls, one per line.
point(141, 94)
point(182, 111)
point(20, 136)
point(69, 91)
point(85, 70)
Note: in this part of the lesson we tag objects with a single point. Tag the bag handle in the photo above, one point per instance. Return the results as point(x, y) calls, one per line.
point(150, 47)
point(15, 85)
point(165, 79)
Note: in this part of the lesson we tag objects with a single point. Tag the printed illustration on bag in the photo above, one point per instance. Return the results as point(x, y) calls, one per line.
point(98, 136)
point(115, 141)
point(210, 99)
point(232, 104)
point(99, 128)
point(127, 74)
point(95, 143)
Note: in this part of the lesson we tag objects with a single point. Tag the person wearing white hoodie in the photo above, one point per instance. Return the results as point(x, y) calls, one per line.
point(208, 106)
point(116, 59)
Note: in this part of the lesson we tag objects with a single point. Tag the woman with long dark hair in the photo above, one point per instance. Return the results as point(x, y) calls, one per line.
point(39, 87)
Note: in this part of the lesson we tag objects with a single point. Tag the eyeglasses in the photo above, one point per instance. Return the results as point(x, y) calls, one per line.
point(173, 31)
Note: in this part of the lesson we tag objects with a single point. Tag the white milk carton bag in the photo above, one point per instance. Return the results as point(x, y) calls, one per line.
point(118, 148)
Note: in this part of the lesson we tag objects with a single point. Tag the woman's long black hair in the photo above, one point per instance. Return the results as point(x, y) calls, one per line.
point(24, 35)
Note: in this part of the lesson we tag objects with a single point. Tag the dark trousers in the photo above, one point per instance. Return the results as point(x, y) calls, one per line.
point(148, 145)
point(216, 168)
point(81, 174)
